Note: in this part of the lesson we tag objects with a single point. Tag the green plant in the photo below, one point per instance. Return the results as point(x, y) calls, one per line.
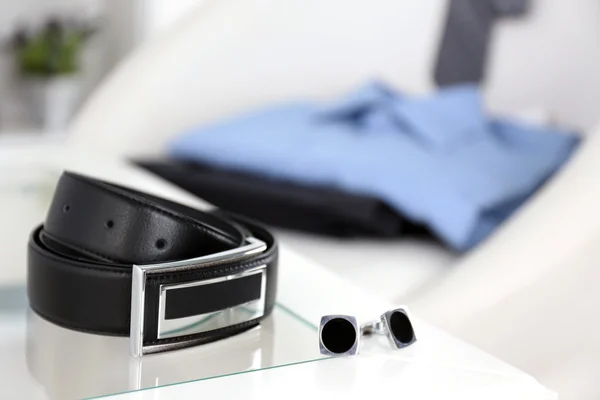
point(53, 50)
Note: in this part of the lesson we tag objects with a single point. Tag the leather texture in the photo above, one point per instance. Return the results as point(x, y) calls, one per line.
point(80, 260)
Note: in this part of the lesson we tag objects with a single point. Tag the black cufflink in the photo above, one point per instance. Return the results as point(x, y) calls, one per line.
point(395, 325)
point(339, 335)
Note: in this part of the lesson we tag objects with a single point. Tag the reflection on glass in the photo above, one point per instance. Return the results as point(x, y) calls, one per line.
point(210, 321)
point(71, 364)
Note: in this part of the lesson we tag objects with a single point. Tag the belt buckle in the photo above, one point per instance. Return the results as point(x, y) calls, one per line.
point(158, 303)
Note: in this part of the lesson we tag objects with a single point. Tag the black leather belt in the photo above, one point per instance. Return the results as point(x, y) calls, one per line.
point(112, 260)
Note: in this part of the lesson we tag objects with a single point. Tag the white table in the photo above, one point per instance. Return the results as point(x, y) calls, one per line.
point(40, 360)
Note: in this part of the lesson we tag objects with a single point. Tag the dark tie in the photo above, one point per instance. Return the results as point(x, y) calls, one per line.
point(463, 50)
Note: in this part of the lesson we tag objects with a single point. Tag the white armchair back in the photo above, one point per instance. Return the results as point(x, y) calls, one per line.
point(229, 56)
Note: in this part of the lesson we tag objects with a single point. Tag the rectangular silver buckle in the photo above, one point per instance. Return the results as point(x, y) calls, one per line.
point(169, 326)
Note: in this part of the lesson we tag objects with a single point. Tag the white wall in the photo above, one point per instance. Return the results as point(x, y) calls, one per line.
point(550, 59)
point(154, 16)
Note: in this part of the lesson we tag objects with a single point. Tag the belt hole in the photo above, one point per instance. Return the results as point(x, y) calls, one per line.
point(161, 244)
point(66, 208)
point(109, 224)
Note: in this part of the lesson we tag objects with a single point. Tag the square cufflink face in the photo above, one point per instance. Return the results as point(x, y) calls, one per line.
point(339, 335)
point(398, 328)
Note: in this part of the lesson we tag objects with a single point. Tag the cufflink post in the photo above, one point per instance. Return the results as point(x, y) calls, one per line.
point(372, 328)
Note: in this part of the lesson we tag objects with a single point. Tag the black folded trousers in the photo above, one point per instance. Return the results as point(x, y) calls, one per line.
point(315, 209)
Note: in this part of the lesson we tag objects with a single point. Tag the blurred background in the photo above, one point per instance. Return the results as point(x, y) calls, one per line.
point(98, 34)
point(440, 153)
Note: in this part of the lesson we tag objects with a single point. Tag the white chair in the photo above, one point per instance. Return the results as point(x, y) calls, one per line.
point(526, 295)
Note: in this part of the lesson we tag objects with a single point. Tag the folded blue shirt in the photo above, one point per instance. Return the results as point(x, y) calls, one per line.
point(437, 160)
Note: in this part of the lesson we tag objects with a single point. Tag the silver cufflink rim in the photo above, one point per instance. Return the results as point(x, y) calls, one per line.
point(386, 322)
point(353, 350)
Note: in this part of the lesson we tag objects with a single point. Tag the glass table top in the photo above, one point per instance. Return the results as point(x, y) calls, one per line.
point(40, 360)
